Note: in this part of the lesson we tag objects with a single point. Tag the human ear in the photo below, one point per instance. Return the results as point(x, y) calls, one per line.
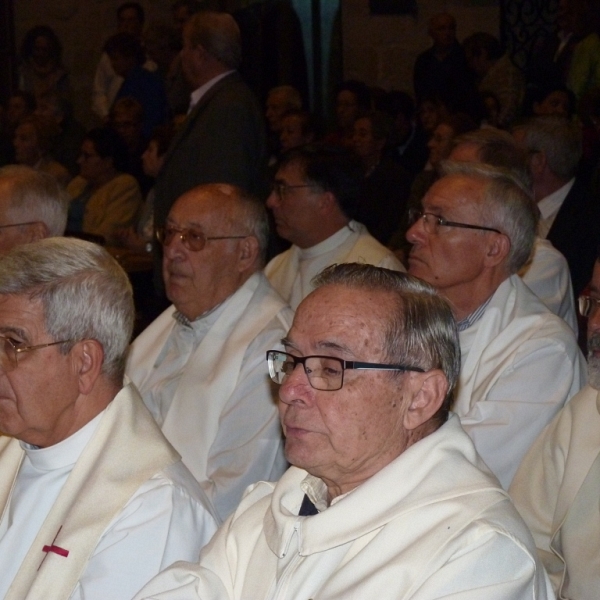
point(89, 357)
point(248, 252)
point(327, 202)
point(497, 249)
point(37, 231)
point(429, 391)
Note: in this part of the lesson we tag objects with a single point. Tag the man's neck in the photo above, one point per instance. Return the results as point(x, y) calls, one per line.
point(325, 231)
point(467, 298)
point(208, 74)
point(547, 185)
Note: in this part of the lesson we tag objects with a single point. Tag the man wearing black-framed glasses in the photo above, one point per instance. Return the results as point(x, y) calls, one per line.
point(200, 365)
point(520, 362)
point(386, 496)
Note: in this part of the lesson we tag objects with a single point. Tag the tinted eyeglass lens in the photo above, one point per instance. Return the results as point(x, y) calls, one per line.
point(193, 240)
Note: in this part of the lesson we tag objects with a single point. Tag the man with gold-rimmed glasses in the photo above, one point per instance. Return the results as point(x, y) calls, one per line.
point(386, 496)
point(199, 366)
point(520, 362)
point(93, 499)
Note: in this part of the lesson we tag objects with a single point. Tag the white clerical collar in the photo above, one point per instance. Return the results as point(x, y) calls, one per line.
point(64, 453)
point(197, 94)
point(316, 490)
point(551, 204)
point(332, 242)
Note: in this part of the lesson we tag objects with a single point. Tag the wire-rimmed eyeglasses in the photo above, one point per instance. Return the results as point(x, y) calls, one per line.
point(192, 239)
point(325, 373)
point(587, 305)
point(433, 222)
point(10, 350)
point(19, 224)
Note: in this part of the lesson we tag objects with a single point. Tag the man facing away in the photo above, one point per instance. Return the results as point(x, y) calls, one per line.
point(387, 497)
point(199, 366)
point(33, 206)
point(314, 197)
point(93, 499)
point(520, 362)
point(556, 487)
point(569, 210)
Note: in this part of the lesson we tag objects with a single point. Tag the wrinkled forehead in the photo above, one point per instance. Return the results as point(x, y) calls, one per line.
point(455, 192)
point(205, 205)
point(339, 316)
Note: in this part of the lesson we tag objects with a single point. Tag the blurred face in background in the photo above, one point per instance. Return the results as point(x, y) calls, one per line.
point(291, 135)
point(440, 144)
point(27, 150)
point(363, 141)
point(346, 109)
point(555, 103)
point(152, 161)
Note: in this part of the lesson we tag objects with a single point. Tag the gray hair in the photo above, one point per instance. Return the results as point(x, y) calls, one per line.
point(421, 331)
point(219, 35)
point(35, 196)
point(84, 292)
point(506, 205)
point(560, 140)
point(500, 149)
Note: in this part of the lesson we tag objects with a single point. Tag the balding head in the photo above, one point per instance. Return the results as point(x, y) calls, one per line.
point(214, 240)
point(32, 206)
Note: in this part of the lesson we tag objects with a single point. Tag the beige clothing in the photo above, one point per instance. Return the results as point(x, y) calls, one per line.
point(291, 272)
point(557, 492)
point(125, 451)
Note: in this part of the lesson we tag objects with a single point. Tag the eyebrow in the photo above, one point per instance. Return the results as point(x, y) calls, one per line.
point(15, 330)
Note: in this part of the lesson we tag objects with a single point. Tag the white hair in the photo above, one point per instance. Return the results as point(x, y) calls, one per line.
point(84, 292)
point(35, 196)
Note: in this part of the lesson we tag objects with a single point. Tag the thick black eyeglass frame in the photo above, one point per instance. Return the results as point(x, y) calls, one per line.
point(345, 364)
point(414, 215)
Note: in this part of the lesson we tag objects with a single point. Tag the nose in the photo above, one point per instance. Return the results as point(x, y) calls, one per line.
point(273, 200)
point(174, 248)
point(296, 387)
point(416, 232)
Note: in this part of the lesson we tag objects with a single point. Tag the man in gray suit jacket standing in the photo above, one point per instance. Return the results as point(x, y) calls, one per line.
point(223, 137)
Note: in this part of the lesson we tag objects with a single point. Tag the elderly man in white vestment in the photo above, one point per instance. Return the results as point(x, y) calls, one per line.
point(199, 366)
point(33, 206)
point(93, 499)
point(314, 197)
point(546, 273)
point(520, 362)
point(557, 487)
point(387, 497)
